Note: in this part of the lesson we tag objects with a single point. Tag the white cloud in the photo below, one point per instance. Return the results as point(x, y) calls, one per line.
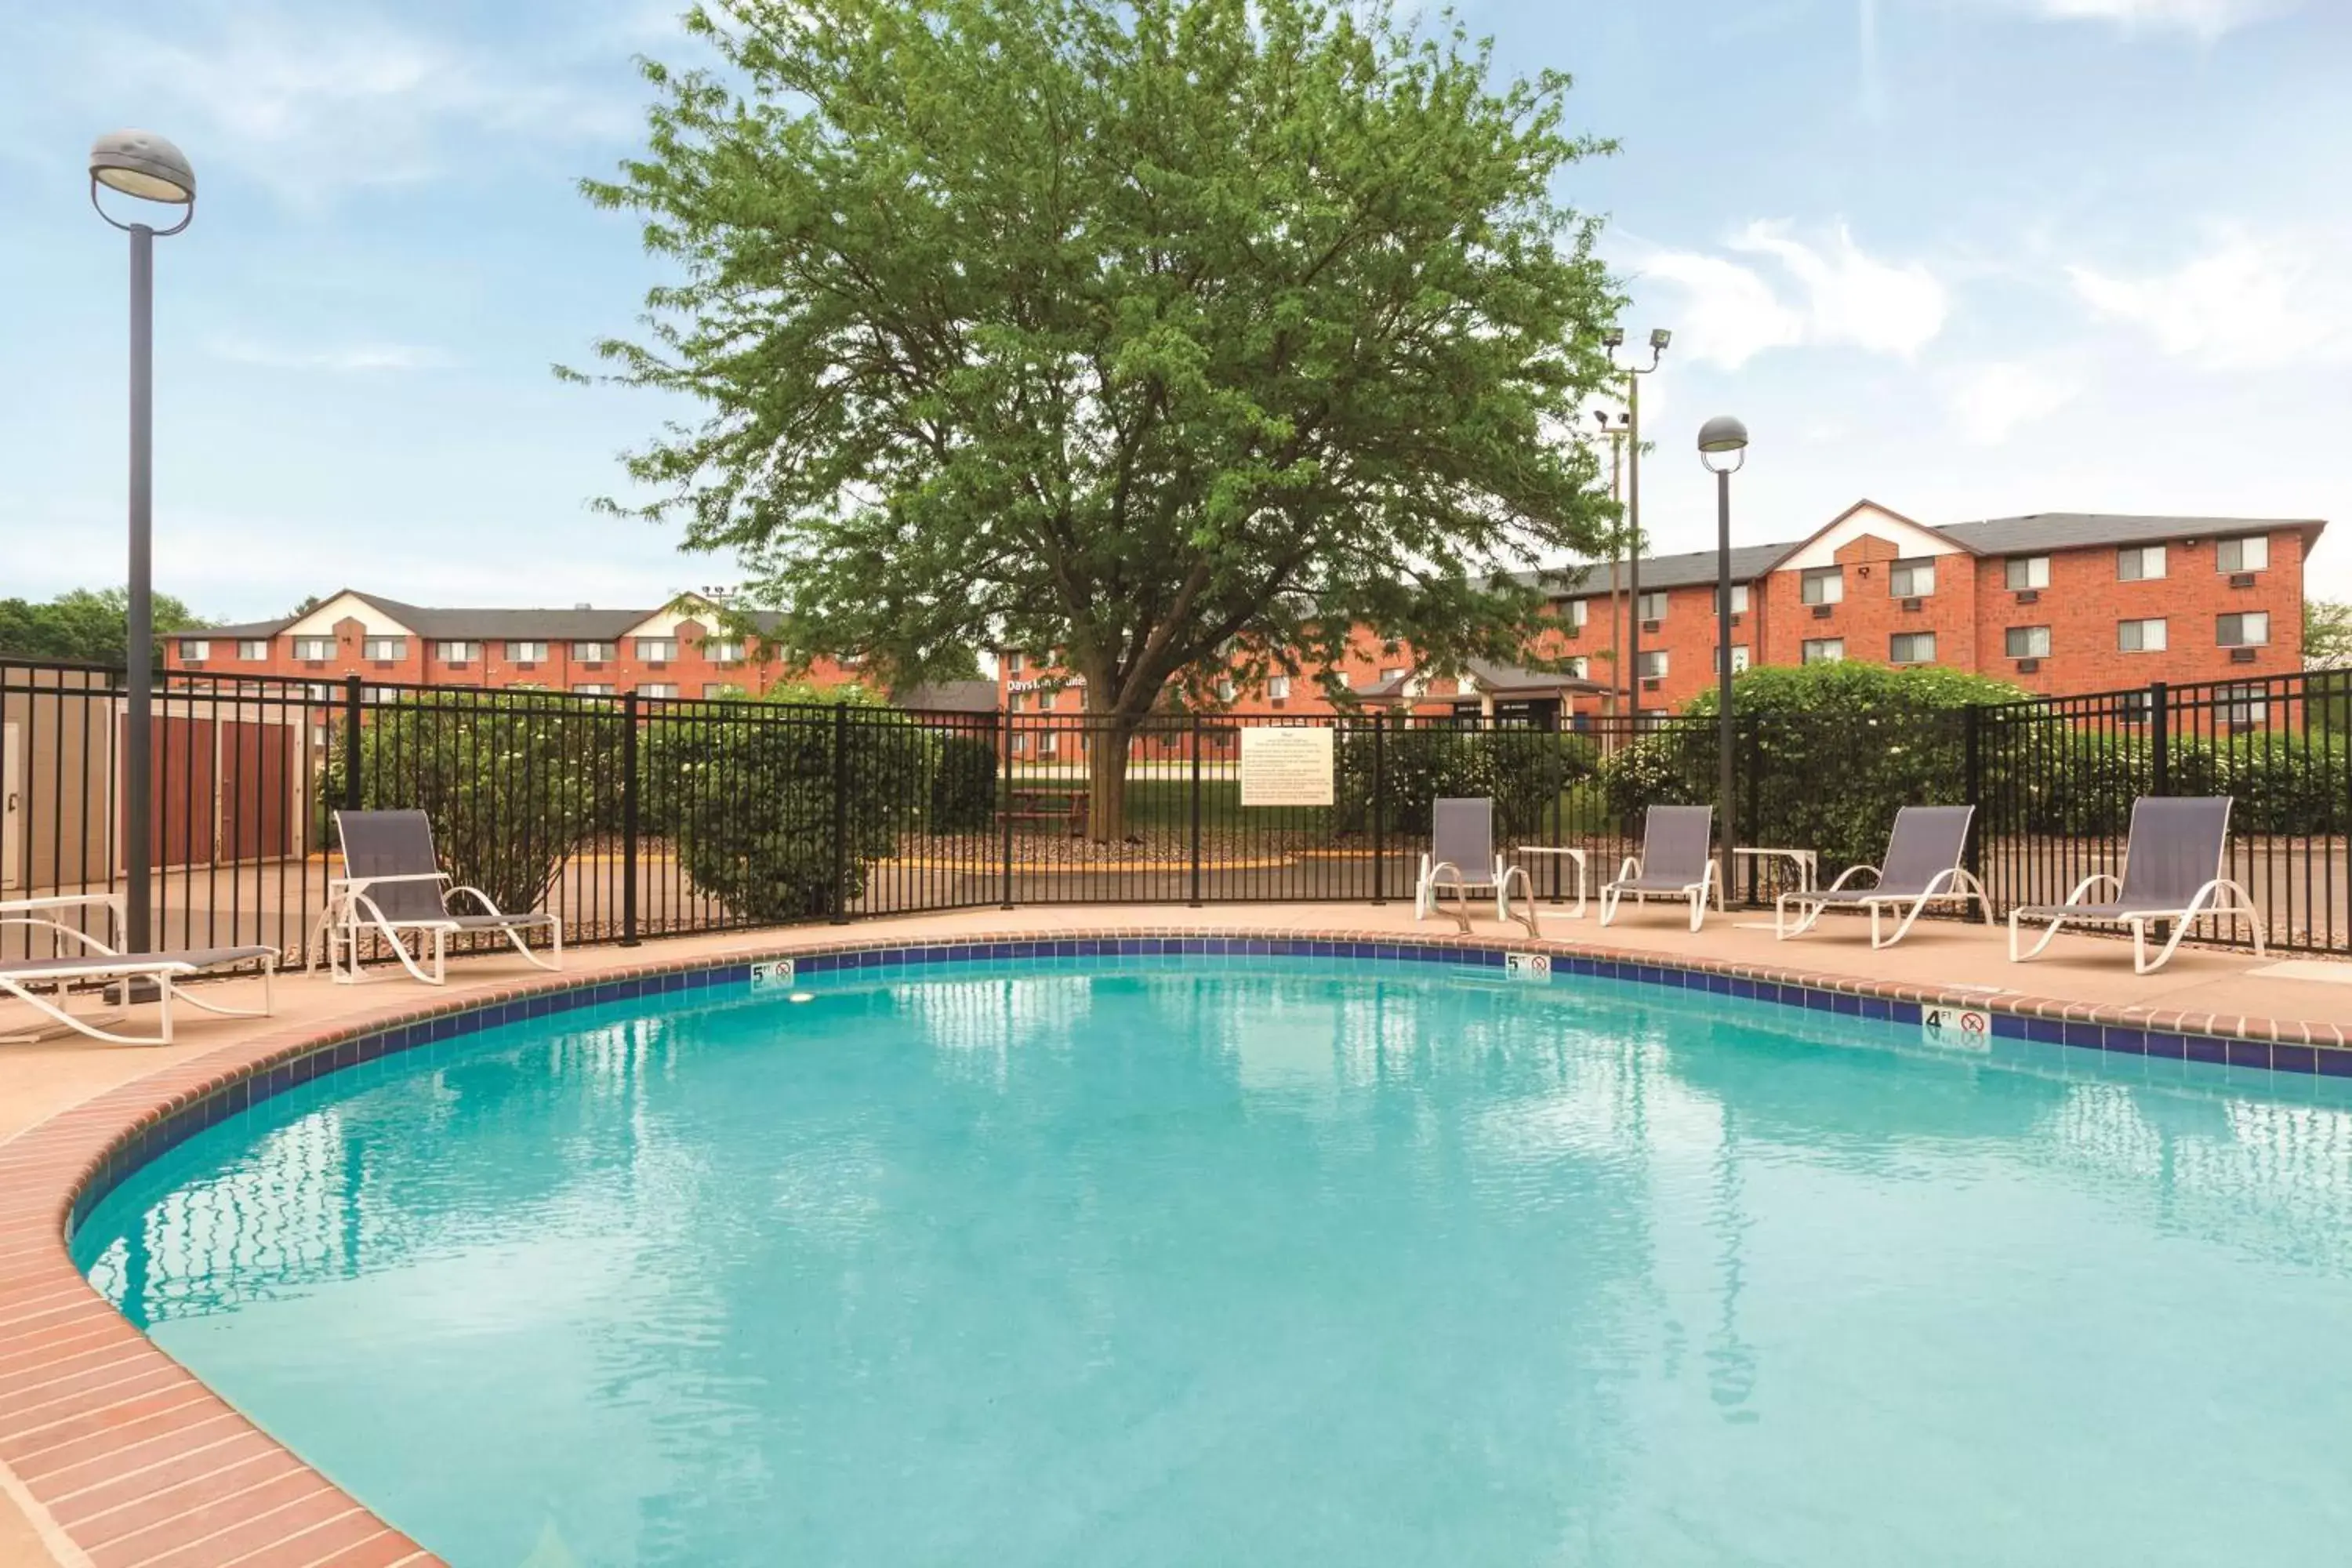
point(312, 104)
point(1988, 401)
point(1838, 294)
point(2248, 302)
point(365, 356)
point(2204, 18)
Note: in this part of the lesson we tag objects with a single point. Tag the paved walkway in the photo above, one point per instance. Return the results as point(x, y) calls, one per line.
point(2226, 992)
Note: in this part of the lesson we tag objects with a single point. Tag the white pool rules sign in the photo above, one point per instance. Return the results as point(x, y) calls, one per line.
point(1957, 1028)
point(1284, 767)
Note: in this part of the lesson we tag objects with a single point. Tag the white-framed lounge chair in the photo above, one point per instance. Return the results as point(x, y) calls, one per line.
point(2173, 866)
point(1923, 866)
point(392, 884)
point(1676, 862)
point(95, 961)
point(1462, 856)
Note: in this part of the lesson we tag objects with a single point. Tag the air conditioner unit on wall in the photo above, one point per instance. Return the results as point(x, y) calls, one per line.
point(2241, 656)
point(1915, 604)
point(2028, 666)
point(1652, 625)
point(2029, 595)
point(2241, 579)
point(1822, 612)
point(1649, 683)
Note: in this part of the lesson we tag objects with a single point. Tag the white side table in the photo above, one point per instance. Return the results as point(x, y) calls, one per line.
point(1575, 857)
point(1807, 861)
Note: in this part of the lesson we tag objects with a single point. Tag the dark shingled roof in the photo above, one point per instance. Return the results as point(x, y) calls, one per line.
point(949, 696)
point(464, 624)
point(1502, 679)
point(1993, 536)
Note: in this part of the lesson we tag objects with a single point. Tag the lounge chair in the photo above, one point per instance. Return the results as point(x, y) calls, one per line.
point(1923, 867)
point(1675, 862)
point(2173, 865)
point(97, 962)
point(392, 883)
point(1462, 856)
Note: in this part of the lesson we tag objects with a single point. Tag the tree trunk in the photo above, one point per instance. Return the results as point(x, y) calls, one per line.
point(1110, 736)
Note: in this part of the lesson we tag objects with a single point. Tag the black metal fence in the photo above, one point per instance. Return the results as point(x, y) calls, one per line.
point(633, 817)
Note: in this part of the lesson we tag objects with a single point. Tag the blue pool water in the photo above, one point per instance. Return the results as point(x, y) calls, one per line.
point(1272, 1262)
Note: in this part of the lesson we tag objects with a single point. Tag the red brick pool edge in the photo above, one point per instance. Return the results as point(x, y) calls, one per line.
point(122, 1458)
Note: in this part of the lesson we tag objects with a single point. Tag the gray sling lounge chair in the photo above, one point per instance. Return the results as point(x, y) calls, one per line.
point(392, 883)
point(1462, 857)
point(2173, 865)
point(96, 962)
point(1923, 867)
point(1675, 862)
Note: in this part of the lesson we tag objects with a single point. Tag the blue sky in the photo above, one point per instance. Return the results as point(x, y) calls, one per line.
point(1967, 257)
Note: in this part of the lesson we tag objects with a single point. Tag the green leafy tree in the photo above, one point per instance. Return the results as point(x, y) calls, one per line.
point(1136, 330)
point(2326, 634)
point(89, 624)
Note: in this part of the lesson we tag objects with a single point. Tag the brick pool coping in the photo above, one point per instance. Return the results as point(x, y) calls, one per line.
point(123, 1459)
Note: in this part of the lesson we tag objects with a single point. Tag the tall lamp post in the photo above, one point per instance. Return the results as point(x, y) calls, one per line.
point(139, 164)
point(1615, 339)
point(1616, 435)
point(1723, 448)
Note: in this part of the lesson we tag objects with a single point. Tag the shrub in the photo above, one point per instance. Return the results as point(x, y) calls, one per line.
point(747, 798)
point(1524, 772)
point(963, 785)
point(512, 786)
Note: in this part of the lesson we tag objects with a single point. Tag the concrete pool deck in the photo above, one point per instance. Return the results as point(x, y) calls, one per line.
point(112, 1455)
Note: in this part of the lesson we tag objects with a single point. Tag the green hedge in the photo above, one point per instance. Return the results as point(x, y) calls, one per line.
point(1524, 772)
point(963, 794)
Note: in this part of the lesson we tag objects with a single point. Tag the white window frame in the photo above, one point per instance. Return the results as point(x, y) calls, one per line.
point(195, 650)
point(656, 651)
point(253, 650)
point(593, 689)
point(1903, 577)
point(2252, 552)
point(1649, 596)
point(526, 651)
point(1820, 650)
point(719, 690)
point(457, 650)
point(1822, 585)
point(1652, 664)
point(657, 688)
point(386, 650)
point(2140, 564)
point(2243, 707)
point(314, 650)
point(1580, 667)
point(2220, 625)
point(2126, 629)
point(1738, 658)
point(1278, 688)
point(723, 650)
point(1738, 598)
point(596, 653)
point(1912, 638)
point(2036, 572)
point(2009, 642)
point(1578, 612)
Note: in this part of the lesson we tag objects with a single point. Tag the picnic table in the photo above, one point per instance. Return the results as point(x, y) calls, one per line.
point(1066, 806)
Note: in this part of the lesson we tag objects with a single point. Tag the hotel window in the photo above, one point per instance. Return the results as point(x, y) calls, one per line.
point(1574, 611)
point(2243, 707)
point(1011, 664)
point(657, 688)
point(454, 652)
point(1911, 647)
point(2027, 642)
point(2139, 563)
point(593, 652)
point(1393, 672)
point(383, 694)
point(1342, 679)
point(1020, 745)
point(1912, 579)
point(1651, 607)
point(2252, 553)
point(1224, 690)
point(195, 650)
point(253, 650)
point(1278, 688)
point(1821, 650)
point(526, 652)
point(2025, 572)
point(314, 648)
point(721, 689)
point(1578, 667)
point(384, 648)
point(2140, 637)
point(722, 650)
point(593, 689)
point(656, 651)
point(2252, 629)
point(1049, 745)
point(1738, 658)
point(1738, 598)
point(317, 693)
point(1652, 665)
point(1824, 586)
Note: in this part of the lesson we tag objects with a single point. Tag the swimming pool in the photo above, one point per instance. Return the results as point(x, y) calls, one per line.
point(1211, 1259)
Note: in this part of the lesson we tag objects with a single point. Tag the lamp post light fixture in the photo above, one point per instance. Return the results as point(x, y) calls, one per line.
point(1723, 448)
point(139, 163)
point(1614, 339)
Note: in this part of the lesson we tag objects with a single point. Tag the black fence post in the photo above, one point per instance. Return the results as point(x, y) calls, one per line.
point(2159, 737)
point(1004, 813)
point(1380, 813)
point(1972, 780)
point(841, 814)
point(1196, 810)
point(1752, 760)
point(629, 820)
point(352, 798)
